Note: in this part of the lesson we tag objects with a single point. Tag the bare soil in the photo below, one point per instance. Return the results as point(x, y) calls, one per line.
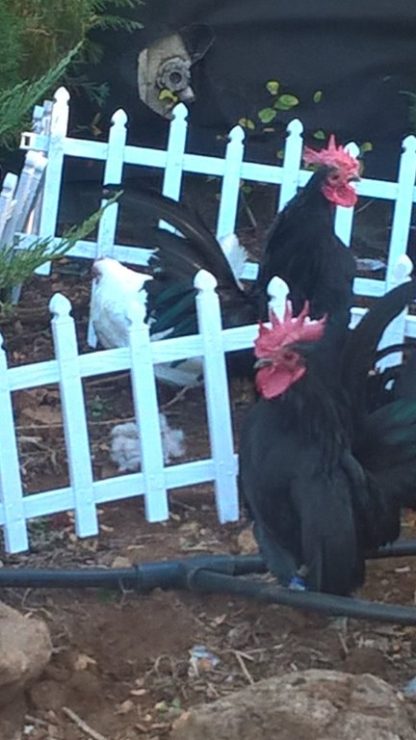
point(125, 664)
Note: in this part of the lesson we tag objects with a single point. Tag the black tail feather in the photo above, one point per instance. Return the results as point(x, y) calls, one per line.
point(202, 248)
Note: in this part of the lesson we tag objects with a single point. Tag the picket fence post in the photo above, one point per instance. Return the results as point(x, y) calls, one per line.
point(11, 491)
point(230, 190)
point(74, 416)
point(291, 162)
point(53, 173)
point(113, 174)
point(147, 412)
point(278, 291)
point(344, 217)
point(403, 208)
point(217, 397)
point(25, 194)
point(7, 202)
point(173, 171)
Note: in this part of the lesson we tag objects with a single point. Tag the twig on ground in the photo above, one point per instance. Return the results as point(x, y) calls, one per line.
point(36, 721)
point(82, 725)
point(240, 661)
point(179, 395)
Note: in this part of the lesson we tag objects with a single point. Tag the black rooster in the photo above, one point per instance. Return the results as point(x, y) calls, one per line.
point(301, 245)
point(324, 480)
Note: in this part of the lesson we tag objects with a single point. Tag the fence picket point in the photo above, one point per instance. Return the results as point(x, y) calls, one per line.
point(344, 217)
point(74, 416)
point(278, 291)
point(230, 191)
point(291, 162)
point(113, 174)
point(217, 397)
point(53, 173)
point(175, 150)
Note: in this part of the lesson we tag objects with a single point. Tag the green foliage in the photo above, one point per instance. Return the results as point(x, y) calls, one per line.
point(281, 102)
point(286, 102)
point(272, 86)
point(11, 28)
point(43, 43)
point(17, 102)
point(267, 115)
point(53, 27)
point(247, 123)
point(18, 265)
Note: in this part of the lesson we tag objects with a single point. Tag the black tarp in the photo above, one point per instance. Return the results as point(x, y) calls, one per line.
point(360, 54)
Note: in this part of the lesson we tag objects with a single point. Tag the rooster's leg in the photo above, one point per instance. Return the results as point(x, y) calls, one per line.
point(278, 560)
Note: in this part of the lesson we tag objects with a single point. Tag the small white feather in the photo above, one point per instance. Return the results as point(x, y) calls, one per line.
point(125, 444)
point(235, 253)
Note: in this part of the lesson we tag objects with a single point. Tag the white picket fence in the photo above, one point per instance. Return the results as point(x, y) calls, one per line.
point(83, 495)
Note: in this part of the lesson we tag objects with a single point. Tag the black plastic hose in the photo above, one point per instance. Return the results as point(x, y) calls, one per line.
point(219, 574)
point(207, 581)
point(400, 549)
point(143, 577)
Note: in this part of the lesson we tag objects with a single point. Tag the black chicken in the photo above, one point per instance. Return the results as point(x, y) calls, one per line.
point(301, 245)
point(324, 480)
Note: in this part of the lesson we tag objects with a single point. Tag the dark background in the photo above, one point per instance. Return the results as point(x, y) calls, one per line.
point(361, 54)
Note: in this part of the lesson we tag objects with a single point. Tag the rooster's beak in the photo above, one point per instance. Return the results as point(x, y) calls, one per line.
point(262, 362)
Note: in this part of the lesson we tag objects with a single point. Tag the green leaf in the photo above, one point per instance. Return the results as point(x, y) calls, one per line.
point(366, 146)
point(319, 134)
point(286, 102)
point(267, 115)
point(317, 96)
point(272, 86)
point(247, 123)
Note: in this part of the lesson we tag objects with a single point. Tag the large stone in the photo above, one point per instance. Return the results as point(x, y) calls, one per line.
point(25, 649)
point(306, 705)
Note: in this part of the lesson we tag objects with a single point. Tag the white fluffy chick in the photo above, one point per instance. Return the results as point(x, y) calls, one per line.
point(125, 444)
point(115, 288)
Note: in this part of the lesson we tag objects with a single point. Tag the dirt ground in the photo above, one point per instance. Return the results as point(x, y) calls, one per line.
point(128, 664)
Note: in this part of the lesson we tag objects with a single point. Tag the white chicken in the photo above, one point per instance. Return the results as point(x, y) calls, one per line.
point(114, 289)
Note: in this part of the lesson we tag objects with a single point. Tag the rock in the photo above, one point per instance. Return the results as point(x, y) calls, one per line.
point(313, 704)
point(25, 649)
point(12, 719)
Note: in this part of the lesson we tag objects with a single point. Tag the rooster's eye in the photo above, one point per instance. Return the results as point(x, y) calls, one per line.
point(333, 179)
